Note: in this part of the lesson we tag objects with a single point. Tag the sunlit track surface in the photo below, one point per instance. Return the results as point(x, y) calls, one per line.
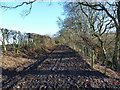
point(63, 68)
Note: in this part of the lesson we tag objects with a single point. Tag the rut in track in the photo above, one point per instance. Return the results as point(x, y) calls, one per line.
point(63, 68)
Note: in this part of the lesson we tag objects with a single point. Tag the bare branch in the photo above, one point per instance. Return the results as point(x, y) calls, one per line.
point(19, 5)
point(105, 28)
point(101, 8)
point(10, 7)
point(28, 12)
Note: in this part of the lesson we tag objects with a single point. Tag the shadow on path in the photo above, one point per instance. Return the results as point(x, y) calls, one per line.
point(61, 52)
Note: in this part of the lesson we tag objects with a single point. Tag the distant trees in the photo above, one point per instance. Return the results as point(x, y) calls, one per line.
point(18, 42)
point(4, 37)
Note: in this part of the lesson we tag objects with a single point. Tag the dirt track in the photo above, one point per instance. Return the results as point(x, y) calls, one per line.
point(63, 68)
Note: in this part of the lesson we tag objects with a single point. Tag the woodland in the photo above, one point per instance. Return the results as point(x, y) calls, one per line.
point(90, 28)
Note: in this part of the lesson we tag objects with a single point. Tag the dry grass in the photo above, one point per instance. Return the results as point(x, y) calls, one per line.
point(109, 72)
point(9, 62)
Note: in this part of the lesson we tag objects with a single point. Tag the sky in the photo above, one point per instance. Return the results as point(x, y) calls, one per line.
point(41, 20)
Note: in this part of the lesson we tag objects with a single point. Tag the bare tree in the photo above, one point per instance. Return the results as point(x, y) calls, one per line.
point(112, 9)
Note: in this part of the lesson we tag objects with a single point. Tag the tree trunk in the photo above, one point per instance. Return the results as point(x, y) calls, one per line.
point(116, 55)
point(3, 41)
point(93, 59)
point(18, 47)
point(119, 34)
point(106, 59)
point(4, 47)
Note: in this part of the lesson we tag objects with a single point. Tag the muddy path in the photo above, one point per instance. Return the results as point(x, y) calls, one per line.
point(62, 68)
